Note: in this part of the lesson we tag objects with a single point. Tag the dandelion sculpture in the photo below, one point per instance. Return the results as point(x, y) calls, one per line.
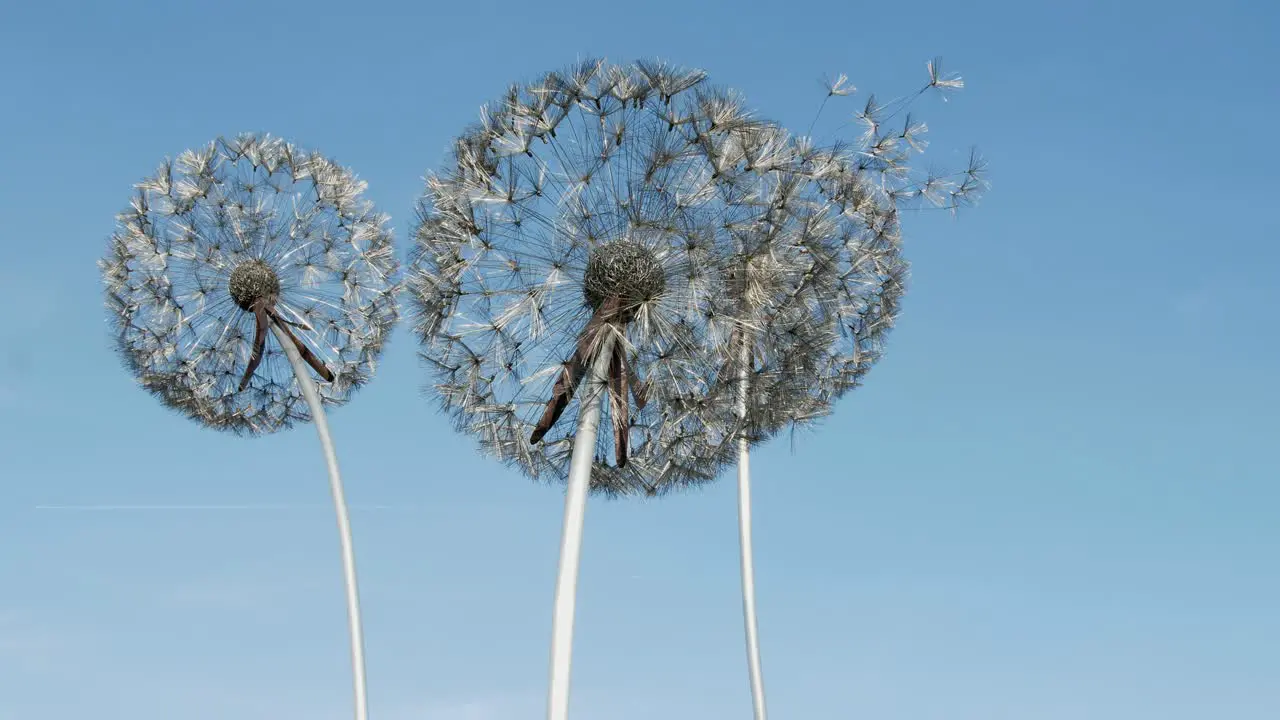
point(577, 251)
point(232, 244)
point(830, 214)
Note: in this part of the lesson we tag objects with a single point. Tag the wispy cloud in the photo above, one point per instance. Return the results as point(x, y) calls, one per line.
point(498, 706)
point(26, 643)
point(1214, 299)
point(41, 303)
point(226, 593)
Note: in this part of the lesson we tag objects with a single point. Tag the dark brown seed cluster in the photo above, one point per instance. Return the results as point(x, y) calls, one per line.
point(251, 281)
point(624, 269)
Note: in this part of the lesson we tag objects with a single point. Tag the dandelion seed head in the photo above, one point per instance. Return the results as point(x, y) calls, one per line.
point(600, 183)
point(737, 251)
point(246, 222)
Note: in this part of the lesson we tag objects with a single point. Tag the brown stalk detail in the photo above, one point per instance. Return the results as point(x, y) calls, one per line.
point(263, 315)
point(575, 369)
point(619, 408)
point(303, 350)
point(621, 380)
point(259, 341)
point(570, 376)
point(639, 388)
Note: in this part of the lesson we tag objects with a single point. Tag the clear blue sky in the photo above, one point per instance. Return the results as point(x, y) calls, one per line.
point(1055, 498)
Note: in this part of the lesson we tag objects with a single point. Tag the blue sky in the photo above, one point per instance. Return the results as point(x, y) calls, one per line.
point(1055, 498)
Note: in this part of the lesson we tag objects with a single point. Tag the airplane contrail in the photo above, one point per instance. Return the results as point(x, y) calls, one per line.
point(251, 507)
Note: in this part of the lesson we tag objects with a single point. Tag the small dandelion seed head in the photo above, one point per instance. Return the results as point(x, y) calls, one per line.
point(242, 225)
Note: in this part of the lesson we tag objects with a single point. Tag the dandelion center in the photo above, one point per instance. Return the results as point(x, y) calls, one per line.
point(624, 269)
point(252, 281)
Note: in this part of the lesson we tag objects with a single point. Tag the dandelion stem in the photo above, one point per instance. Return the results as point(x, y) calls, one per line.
point(809, 132)
point(744, 543)
point(340, 507)
point(575, 507)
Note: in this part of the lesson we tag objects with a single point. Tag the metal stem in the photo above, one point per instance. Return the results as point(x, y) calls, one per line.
point(340, 507)
point(744, 543)
point(575, 507)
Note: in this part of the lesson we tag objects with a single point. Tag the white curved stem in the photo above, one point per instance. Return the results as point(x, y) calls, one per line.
point(303, 373)
point(744, 546)
point(575, 508)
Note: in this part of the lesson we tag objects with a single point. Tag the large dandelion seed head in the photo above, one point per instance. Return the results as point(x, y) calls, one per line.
point(239, 223)
point(634, 185)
